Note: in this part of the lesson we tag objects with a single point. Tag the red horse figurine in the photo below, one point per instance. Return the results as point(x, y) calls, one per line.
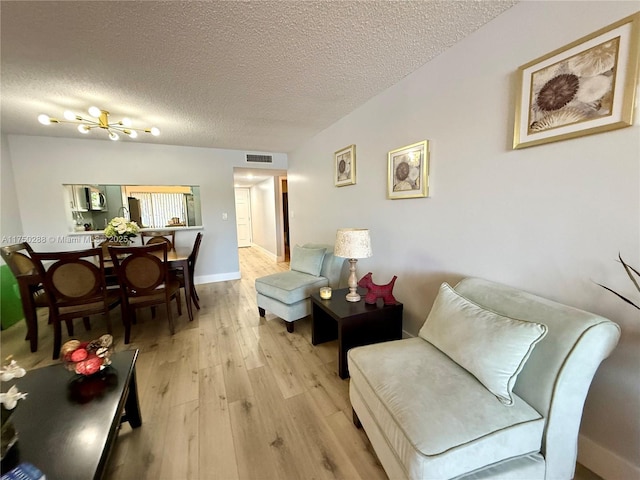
point(377, 291)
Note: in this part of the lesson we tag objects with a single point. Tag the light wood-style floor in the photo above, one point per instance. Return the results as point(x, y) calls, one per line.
point(230, 395)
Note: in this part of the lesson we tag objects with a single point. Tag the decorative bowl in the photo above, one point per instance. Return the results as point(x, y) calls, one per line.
point(87, 358)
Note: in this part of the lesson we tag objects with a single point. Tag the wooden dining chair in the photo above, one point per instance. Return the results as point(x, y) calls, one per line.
point(179, 273)
point(19, 262)
point(157, 236)
point(17, 257)
point(143, 274)
point(75, 284)
point(110, 275)
point(32, 294)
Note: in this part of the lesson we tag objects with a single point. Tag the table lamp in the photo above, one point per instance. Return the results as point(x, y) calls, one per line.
point(353, 243)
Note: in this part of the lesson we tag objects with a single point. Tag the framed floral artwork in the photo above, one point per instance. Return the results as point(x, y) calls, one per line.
point(408, 175)
point(345, 166)
point(582, 88)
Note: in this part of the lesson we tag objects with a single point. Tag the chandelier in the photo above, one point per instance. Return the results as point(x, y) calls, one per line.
point(100, 120)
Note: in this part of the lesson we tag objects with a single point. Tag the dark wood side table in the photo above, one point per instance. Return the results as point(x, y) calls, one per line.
point(353, 323)
point(67, 425)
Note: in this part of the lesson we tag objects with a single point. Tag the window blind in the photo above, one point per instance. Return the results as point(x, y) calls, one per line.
point(157, 209)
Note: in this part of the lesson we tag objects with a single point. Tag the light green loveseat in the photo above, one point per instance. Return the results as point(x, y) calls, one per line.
point(429, 417)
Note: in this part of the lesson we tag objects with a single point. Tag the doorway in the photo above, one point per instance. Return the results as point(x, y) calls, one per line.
point(262, 211)
point(285, 217)
point(243, 216)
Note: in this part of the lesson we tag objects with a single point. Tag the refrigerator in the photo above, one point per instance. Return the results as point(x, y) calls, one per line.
point(190, 203)
point(135, 213)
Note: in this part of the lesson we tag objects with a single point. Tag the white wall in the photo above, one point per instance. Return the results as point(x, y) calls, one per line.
point(10, 224)
point(550, 219)
point(42, 164)
point(263, 215)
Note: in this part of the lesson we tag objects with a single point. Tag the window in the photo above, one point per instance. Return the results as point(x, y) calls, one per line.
point(159, 209)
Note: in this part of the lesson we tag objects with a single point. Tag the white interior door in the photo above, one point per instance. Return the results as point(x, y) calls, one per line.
point(243, 217)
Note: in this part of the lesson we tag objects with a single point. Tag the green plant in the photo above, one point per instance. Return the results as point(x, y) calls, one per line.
point(633, 274)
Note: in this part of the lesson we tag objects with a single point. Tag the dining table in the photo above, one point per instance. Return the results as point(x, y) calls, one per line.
point(29, 282)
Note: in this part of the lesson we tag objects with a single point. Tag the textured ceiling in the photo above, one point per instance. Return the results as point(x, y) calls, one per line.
point(260, 75)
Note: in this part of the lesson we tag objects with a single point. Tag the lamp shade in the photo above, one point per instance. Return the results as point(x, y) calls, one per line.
point(353, 243)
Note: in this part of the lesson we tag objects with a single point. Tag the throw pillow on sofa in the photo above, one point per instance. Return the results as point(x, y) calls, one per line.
point(307, 260)
point(490, 346)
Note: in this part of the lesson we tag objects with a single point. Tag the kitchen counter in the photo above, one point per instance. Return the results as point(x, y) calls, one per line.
point(98, 232)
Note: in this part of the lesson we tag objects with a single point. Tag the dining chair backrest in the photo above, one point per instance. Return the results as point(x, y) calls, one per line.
point(98, 239)
point(193, 256)
point(141, 270)
point(18, 262)
point(157, 236)
point(105, 247)
point(72, 278)
point(110, 277)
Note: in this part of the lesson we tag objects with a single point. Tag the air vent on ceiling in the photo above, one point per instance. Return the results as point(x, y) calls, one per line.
point(259, 158)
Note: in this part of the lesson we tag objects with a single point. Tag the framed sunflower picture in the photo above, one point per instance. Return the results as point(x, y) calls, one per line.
point(345, 166)
point(582, 88)
point(408, 175)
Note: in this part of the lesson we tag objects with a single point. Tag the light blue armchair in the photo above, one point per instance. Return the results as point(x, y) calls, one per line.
point(286, 294)
point(493, 386)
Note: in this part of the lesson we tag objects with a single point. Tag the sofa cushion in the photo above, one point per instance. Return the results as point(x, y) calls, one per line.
point(307, 260)
point(438, 419)
point(331, 265)
point(289, 287)
point(492, 347)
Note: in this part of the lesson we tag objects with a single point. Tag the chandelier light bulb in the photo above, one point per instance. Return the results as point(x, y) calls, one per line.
point(44, 119)
point(69, 115)
point(114, 136)
point(133, 134)
point(126, 122)
point(155, 131)
point(94, 112)
point(83, 129)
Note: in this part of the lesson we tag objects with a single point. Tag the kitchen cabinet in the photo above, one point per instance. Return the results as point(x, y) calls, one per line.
point(78, 198)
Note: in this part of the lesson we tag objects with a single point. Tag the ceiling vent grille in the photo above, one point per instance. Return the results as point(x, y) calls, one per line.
point(259, 158)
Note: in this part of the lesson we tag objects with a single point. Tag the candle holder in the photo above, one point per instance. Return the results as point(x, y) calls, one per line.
point(325, 293)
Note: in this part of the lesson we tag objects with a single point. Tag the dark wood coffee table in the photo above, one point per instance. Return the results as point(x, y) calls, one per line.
point(67, 425)
point(353, 323)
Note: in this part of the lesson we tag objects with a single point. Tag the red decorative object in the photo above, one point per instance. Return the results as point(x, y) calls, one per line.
point(378, 291)
point(87, 358)
point(79, 355)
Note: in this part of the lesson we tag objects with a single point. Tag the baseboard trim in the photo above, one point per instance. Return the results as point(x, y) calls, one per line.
point(269, 254)
point(604, 462)
point(220, 277)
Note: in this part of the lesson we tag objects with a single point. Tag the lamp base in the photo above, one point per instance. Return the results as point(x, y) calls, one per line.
point(353, 296)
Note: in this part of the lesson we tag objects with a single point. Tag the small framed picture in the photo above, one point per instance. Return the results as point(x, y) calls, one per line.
point(345, 166)
point(582, 88)
point(408, 175)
